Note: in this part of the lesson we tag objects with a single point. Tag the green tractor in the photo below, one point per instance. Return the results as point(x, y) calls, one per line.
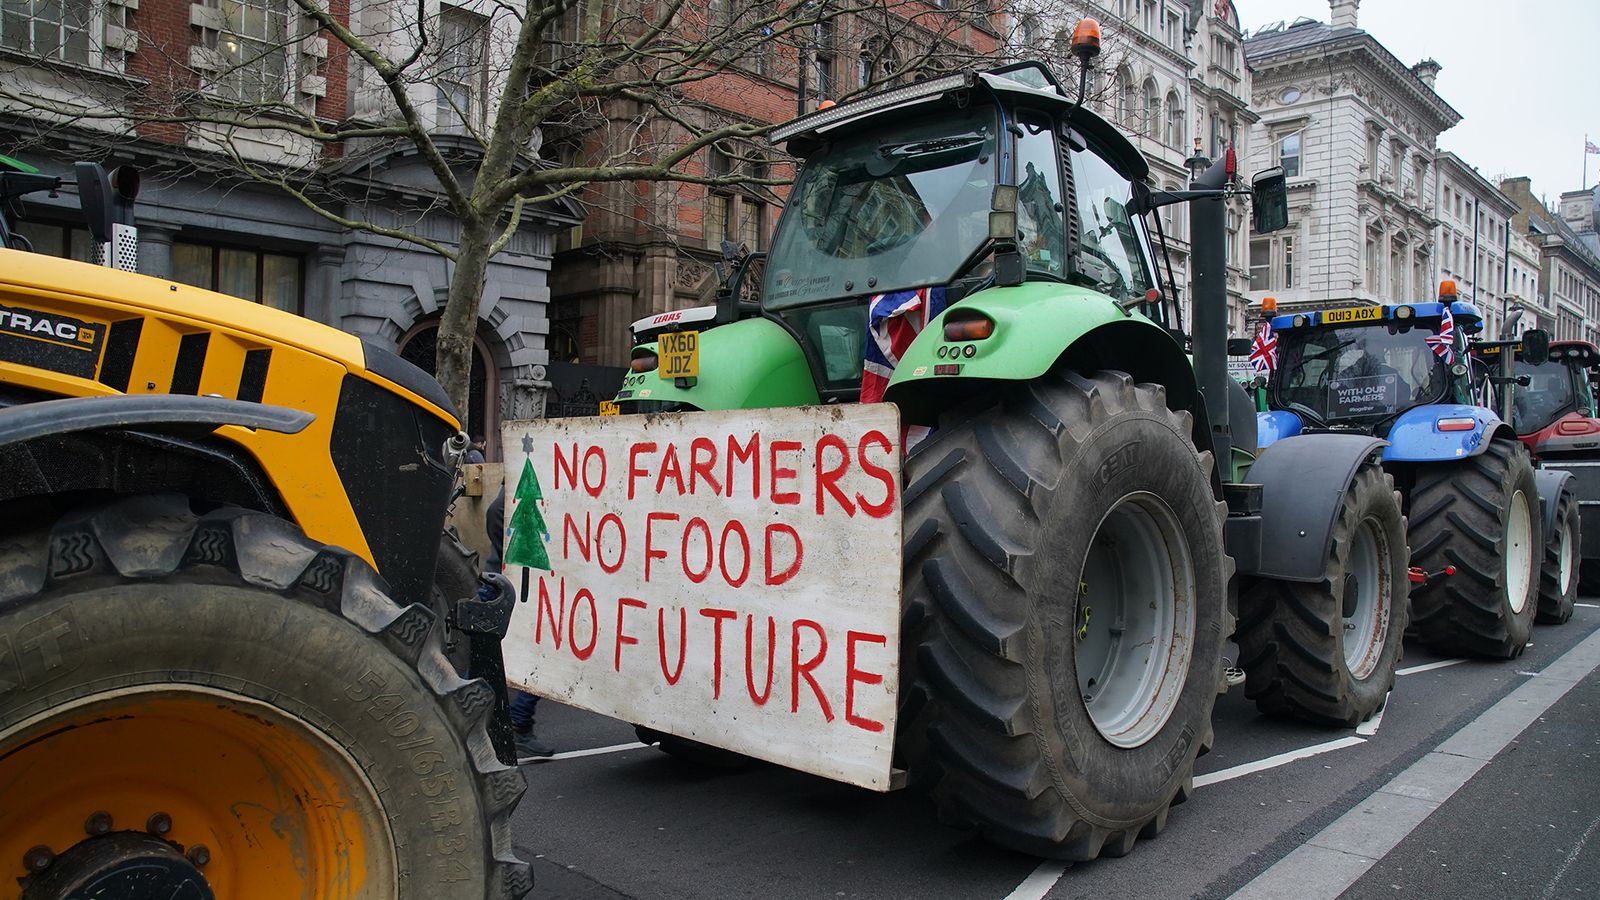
point(1077, 492)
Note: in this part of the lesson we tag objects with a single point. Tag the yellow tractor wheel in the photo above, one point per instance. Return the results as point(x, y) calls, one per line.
point(217, 705)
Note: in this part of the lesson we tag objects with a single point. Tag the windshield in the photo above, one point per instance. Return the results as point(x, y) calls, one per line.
point(1361, 373)
point(1547, 397)
point(885, 210)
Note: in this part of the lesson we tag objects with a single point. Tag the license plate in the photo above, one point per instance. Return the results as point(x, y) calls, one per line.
point(680, 354)
point(609, 408)
point(1354, 314)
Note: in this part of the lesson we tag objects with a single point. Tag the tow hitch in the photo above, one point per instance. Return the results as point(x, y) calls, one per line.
point(1417, 576)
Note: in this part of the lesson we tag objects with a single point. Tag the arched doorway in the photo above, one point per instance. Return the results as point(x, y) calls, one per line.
point(419, 347)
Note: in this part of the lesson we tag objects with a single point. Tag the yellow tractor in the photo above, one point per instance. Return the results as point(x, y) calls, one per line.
point(222, 643)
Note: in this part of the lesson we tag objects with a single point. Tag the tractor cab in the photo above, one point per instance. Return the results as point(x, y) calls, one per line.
point(1554, 404)
point(1362, 368)
point(977, 179)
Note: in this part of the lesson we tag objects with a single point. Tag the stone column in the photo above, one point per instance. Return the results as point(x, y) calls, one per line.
point(324, 283)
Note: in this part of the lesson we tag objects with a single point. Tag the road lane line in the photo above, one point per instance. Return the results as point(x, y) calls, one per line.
point(575, 754)
point(1370, 726)
point(1588, 605)
point(1272, 762)
point(1429, 667)
point(1035, 886)
point(1336, 857)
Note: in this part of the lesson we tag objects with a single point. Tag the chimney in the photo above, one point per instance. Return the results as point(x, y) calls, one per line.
point(1427, 70)
point(1344, 13)
point(1519, 189)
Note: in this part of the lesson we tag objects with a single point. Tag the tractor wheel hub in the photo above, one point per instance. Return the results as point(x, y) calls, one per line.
point(120, 864)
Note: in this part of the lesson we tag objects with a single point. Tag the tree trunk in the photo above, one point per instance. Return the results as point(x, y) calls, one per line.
point(453, 362)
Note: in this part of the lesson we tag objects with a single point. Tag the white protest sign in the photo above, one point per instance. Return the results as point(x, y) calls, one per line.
point(729, 577)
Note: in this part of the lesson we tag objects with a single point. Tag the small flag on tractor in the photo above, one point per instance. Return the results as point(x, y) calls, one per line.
point(1264, 350)
point(1444, 343)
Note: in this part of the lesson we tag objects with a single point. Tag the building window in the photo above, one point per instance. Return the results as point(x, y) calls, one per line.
point(1126, 102)
point(55, 29)
point(735, 213)
point(1288, 262)
point(1289, 155)
point(64, 241)
point(463, 68)
point(1174, 31)
point(1261, 264)
point(1152, 108)
point(1174, 120)
point(822, 63)
point(254, 49)
point(271, 279)
point(1218, 135)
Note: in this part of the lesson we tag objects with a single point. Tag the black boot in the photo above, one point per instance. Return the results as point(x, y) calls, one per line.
point(529, 745)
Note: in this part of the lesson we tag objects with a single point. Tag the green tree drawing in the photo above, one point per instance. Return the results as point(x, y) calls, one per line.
point(528, 529)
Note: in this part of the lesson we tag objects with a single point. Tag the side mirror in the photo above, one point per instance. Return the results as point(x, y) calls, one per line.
point(106, 198)
point(1535, 346)
point(1239, 346)
point(1269, 208)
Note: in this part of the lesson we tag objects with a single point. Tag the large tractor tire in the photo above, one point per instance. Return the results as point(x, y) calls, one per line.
point(1480, 516)
point(1066, 607)
point(1326, 651)
point(225, 703)
point(1558, 571)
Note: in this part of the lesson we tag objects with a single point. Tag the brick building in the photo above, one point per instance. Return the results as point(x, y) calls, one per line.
point(93, 81)
point(1569, 266)
point(648, 248)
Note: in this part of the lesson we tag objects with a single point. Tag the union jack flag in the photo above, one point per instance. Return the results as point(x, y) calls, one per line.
point(893, 321)
point(1264, 350)
point(1444, 343)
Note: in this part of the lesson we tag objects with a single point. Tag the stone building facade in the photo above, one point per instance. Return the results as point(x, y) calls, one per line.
point(1357, 129)
point(202, 223)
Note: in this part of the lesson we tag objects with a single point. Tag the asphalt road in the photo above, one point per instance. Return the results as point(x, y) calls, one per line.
point(1521, 821)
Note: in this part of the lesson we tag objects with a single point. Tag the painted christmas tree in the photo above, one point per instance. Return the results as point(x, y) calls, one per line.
point(528, 530)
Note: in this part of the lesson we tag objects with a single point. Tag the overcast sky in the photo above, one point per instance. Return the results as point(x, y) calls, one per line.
point(1524, 76)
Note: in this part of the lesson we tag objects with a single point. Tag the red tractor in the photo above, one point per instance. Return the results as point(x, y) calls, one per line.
point(1554, 414)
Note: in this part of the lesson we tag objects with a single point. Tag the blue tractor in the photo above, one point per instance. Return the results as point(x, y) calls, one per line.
point(1470, 492)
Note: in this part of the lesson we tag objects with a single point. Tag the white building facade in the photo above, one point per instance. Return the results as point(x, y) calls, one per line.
point(1473, 238)
point(1356, 132)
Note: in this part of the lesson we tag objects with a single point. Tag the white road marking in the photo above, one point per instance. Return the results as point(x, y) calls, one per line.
point(1272, 762)
point(1035, 886)
point(1336, 857)
point(1370, 726)
point(575, 754)
point(1429, 667)
point(1588, 605)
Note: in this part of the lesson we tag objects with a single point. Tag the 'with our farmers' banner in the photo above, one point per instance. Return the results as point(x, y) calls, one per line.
point(729, 577)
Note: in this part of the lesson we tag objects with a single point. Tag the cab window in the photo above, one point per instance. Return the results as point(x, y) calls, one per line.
point(1040, 216)
point(1111, 254)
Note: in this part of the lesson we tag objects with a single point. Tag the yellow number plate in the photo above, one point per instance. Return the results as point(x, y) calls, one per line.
point(609, 408)
point(1354, 314)
point(680, 354)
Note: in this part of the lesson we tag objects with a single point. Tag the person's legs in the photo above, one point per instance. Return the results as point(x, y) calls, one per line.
point(523, 707)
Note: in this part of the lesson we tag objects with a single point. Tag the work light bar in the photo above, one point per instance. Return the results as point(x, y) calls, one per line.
point(833, 115)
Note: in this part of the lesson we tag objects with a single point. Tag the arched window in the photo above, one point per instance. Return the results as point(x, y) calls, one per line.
point(1152, 109)
point(482, 415)
point(1174, 120)
point(1127, 101)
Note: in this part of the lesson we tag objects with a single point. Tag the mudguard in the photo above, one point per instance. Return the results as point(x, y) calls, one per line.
point(1551, 483)
point(1416, 437)
point(749, 364)
point(1275, 425)
point(1303, 482)
point(1035, 325)
point(162, 412)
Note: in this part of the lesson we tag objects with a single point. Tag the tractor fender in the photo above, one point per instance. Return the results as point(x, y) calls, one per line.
point(1415, 436)
point(1551, 483)
point(1275, 425)
point(161, 412)
point(1303, 481)
point(1036, 326)
point(749, 364)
